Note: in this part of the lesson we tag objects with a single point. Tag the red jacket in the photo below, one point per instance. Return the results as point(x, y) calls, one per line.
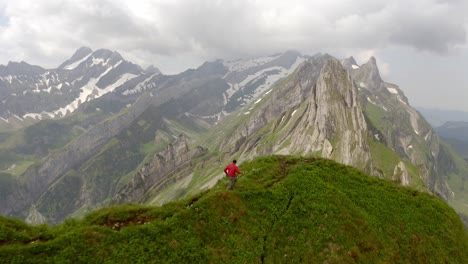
point(231, 170)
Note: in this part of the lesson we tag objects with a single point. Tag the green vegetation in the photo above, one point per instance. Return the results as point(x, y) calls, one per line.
point(283, 210)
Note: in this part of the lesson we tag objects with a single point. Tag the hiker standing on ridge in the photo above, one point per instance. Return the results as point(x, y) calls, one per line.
point(230, 172)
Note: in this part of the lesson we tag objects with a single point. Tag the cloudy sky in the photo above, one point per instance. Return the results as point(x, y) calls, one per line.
point(421, 45)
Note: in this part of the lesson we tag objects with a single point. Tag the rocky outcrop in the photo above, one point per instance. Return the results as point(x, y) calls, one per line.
point(35, 217)
point(175, 160)
point(400, 174)
point(368, 74)
point(333, 114)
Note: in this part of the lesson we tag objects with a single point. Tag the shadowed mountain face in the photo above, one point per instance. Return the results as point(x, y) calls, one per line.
point(133, 135)
point(456, 130)
point(456, 134)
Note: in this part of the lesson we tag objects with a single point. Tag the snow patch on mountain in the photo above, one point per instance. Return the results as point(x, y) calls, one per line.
point(270, 79)
point(232, 89)
point(140, 87)
point(354, 66)
point(244, 64)
point(75, 64)
point(123, 79)
point(370, 100)
point(98, 61)
point(88, 91)
point(8, 78)
point(392, 90)
point(399, 99)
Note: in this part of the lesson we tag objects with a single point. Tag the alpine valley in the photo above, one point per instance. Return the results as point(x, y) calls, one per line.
point(100, 130)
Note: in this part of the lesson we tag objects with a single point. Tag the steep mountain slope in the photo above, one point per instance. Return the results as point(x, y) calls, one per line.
point(349, 115)
point(120, 133)
point(30, 93)
point(99, 151)
point(283, 210)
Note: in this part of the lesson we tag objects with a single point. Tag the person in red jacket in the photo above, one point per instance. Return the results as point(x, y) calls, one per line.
point(230, 172)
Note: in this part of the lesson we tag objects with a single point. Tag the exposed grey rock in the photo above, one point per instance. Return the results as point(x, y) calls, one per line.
point(369, 74)
point(400, 174)
point(78, 55)
point(333, 113)
point(174, 161)
point(318, 105)
point(349, 63)
point(35, 217)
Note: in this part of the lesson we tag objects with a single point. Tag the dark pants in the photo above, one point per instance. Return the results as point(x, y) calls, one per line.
point(233, 183)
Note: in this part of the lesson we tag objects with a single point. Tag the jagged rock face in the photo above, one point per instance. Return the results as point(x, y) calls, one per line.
point(284, 98)
point(400, 127)
point(350, 63)
point(333, 113)
point(319, 105)
point(369, 75)
point(175, 159)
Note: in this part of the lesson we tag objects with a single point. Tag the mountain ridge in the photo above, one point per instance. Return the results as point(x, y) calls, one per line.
point(285, 104)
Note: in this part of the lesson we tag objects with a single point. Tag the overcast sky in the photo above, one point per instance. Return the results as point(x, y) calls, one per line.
point(421, 45)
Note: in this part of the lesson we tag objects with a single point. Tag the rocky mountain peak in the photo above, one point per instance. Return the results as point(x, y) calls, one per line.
point(77, 56)
point(350, 63)
point(152, 69)
point(287, 59)
point(368, 74)
point(107, 54)
point(81, 53)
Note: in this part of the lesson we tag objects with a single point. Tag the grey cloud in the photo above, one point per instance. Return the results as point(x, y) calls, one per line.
point(439, 28)
point(228, 29)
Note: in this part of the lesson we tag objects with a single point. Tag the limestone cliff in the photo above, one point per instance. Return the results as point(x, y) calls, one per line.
point(176, 160)
point(316, 110)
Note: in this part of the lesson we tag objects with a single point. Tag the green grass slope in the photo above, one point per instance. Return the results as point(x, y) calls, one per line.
point(283, 210)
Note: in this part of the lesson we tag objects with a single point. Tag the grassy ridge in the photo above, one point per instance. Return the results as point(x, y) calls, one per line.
point(283, 210)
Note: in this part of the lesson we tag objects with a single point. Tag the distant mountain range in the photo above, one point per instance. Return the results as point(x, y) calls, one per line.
point(456, 134)
point(437, 117)
point(100, 130)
